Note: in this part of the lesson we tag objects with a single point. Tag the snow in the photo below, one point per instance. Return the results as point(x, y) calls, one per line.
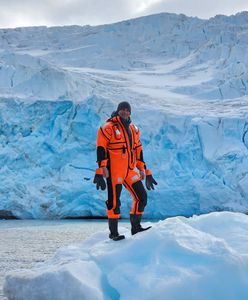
point(186, 80)
point(202, 257)
point(216, 46)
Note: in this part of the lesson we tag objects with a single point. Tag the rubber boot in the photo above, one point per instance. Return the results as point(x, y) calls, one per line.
point(113, 228)
point(135, 222)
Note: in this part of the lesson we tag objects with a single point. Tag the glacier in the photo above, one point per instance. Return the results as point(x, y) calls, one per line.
point(187, 81)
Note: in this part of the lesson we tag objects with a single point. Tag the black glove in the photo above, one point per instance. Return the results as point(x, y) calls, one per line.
point(100, 182)
point(150, 180)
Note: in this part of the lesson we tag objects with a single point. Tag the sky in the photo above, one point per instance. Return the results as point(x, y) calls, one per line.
point(19, 13)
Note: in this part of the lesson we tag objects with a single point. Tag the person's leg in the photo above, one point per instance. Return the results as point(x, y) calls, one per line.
point(135, 186)
point(113, 208)
point(135, 220)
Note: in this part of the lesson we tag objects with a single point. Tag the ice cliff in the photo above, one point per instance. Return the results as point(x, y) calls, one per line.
point(187, 81)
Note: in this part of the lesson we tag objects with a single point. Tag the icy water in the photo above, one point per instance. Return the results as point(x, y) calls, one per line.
point(23, 243)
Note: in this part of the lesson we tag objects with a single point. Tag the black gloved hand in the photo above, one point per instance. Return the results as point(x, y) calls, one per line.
point(99, 181)
point(150, 181)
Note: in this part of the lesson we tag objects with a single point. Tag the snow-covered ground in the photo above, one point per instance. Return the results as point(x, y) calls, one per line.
point(202, 257)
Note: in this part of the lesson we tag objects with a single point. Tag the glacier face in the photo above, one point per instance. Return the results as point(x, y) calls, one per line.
point(186, 81)
point(47, 161)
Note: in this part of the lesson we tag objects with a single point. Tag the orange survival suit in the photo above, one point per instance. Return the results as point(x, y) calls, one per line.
point(120, 150)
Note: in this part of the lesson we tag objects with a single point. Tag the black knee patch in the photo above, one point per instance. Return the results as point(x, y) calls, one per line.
point(141, 194)
point(118, 189)
point(109, 202)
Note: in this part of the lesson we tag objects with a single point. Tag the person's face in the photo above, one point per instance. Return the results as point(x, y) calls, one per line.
point(124, 113)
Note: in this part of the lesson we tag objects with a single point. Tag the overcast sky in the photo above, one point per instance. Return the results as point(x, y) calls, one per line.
point(16, 13)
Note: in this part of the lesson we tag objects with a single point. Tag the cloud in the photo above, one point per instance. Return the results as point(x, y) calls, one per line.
point(64, 12)
point(16, 13)
point(201, 9)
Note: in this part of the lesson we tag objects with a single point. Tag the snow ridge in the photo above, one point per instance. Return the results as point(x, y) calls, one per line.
point(201, 257)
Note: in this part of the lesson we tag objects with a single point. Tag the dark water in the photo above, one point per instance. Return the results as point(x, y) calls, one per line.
point(23, 243)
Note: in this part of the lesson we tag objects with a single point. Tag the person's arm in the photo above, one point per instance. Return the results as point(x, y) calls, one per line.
point(103, 138)
point(144, 172)
point(139, 155)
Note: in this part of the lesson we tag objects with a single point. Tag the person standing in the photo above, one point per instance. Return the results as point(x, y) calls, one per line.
point(119, 153)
